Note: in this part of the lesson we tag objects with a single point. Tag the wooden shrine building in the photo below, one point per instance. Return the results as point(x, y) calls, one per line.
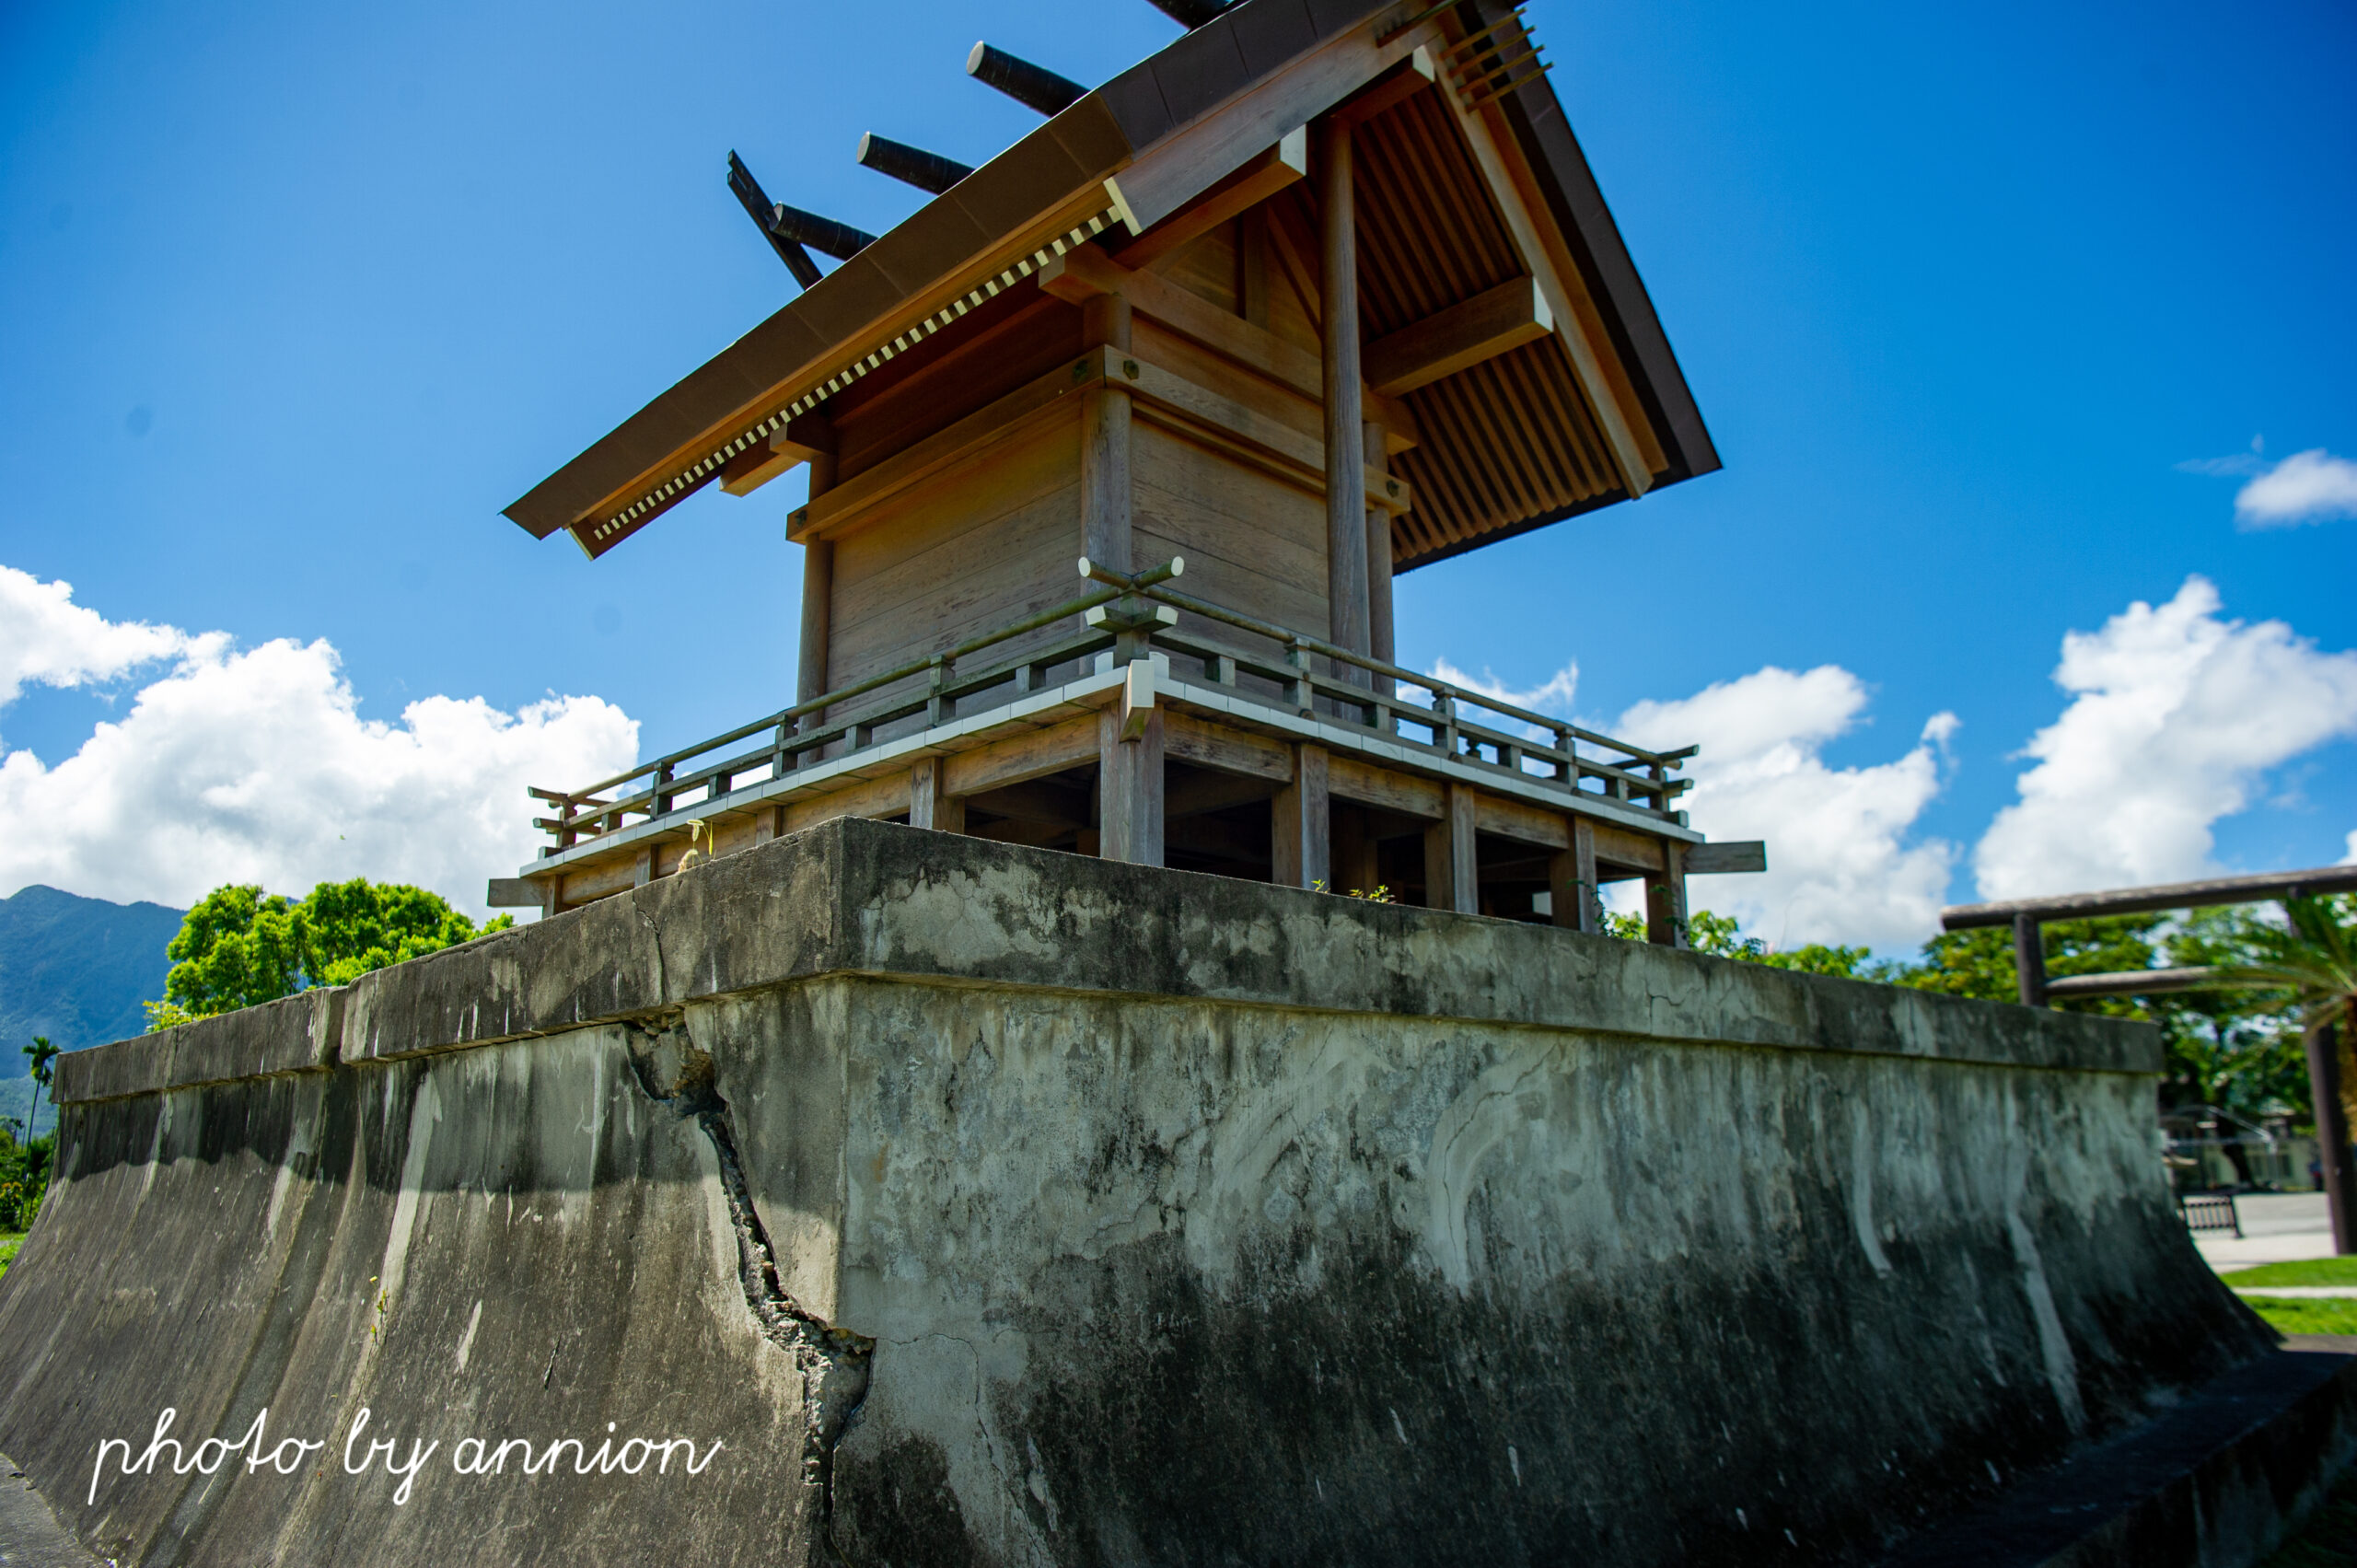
point(1322, 292)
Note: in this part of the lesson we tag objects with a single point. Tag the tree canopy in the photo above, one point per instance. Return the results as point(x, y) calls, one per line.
point(2235, 1048)
point(239, 946)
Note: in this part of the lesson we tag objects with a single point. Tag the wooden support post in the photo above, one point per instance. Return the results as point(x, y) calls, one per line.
point(2332, 1136)
point(1300, 821)
point(929, 806)
point(1571, 882)
point(1452, 874)
point(1665, 898)
point(1339, 326)
point(1129, 789)
point(643, 870)
point(1378, 563)
point(2029, 961)
point(817, 571)
point(1105, 442)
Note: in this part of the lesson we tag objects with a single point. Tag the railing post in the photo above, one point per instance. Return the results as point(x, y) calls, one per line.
point(658, 791)
point(2029, 961)
point(1444, 732)
point(936, 706)
point(1297, 683)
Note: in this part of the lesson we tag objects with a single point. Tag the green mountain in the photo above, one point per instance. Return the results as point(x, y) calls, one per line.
point(77, 970)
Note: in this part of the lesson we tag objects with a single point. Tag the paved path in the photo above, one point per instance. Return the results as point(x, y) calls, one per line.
point(2278, 1227)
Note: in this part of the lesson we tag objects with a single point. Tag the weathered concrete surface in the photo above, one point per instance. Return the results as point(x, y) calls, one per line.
point(1118, 1216)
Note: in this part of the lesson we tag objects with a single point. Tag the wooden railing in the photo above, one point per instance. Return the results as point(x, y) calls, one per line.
point(1133, 615)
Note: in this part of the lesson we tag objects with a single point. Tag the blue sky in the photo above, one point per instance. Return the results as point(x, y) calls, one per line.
point(292, 299)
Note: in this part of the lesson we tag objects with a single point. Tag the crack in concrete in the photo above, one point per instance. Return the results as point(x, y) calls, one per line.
point(833, 1363)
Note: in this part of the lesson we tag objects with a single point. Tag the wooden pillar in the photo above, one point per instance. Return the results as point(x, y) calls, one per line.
point(1571, 882)
point(928, 807)
point(1252, 266)
point(1105, 442)
point(814, 435)
point(1300, 820)
point(1452, 874)
point(2332, 1137)
point(2029, 961)
point(1379, 565)
point(1337, 286)
point(1129, 790)
point(1665, 898)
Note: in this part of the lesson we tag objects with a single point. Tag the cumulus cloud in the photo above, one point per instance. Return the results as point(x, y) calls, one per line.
point(2312, 486)
point(46, 639)
point(257, 765)
point(1842, 867)
point(2306, 487)
point(1552, 695)
point(2176, 715)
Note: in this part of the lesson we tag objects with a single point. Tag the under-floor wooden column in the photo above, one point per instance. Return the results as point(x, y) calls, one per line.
point(1105, 442)
point(928, 807)
point(1300, 818)
point(1571, 882)
point(1452, 874)
point(1129, 790)
point(1665, 898)
point(1337, 288)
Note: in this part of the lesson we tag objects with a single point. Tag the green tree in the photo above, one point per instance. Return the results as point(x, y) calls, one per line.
point(240, 946)
point(2310, 960)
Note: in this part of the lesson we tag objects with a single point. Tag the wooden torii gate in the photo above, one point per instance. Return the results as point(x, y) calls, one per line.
point(2027, 915)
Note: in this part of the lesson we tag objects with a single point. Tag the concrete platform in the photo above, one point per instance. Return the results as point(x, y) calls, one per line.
point(995, 1206)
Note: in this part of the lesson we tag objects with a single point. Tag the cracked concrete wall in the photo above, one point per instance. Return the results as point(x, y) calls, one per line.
point(998, 1206)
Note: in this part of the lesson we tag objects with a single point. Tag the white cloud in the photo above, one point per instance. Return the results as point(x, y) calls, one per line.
point(2349, 858)
point(2306, 487)
point(47, 639)
point(1552, 695)
point(257, 766)
point(1840, 867)
point(2176, 715)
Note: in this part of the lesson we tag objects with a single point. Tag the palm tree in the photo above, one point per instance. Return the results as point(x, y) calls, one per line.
point(2313, 956)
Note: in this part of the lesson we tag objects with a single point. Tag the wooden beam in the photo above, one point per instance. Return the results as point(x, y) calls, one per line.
point(1208, 745)
point(1086, 274)
point(887, 797)
point(1019, 758)
point(1626, 853)
point(1452, 874)
point(1586, 342)
point(1509, 819)
point(2265, 887)
point(1199, 794)
point(1727, 856)
point(1464, 335)
point(1396, 86)
point(843, 505)
point(1258, 180)
point(1190, 162)
point(1347, 778)
point(1129, 790)
point(1300, 820)
point(802, 440)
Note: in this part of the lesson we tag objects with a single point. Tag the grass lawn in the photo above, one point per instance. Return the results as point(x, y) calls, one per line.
point(8, 1244)
point(2308, 1272)
point(2298, 1315)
